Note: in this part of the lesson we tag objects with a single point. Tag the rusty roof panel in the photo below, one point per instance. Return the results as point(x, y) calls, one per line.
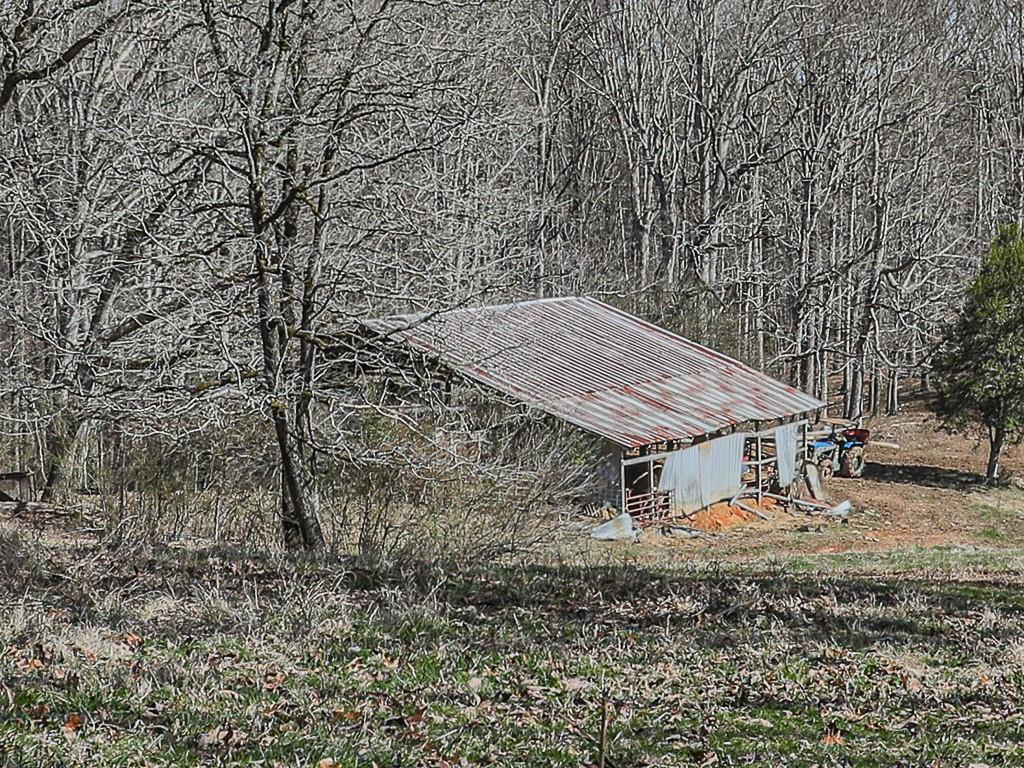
point(599, 368)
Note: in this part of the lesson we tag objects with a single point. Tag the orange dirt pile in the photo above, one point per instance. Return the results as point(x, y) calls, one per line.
point(720, 516)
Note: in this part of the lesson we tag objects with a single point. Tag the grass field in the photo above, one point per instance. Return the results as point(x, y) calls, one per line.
point(896, 639)
point(183, 658)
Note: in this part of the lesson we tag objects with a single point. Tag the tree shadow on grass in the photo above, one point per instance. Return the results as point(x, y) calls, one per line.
point(925, 475)
point(719, 608)
point(705, 605)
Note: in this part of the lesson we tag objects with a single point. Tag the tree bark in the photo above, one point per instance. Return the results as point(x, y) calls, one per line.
point(299, 513)
point(893, 400)
point(62, 436)
point(300, 518)
point(996, 443)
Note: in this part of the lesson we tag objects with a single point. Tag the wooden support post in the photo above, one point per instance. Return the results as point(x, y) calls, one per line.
point(24, 492)
point(760, 456)
point(805, 455)
point(622, 482)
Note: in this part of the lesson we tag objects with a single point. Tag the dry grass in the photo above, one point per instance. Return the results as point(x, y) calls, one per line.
point(215, 657)
point(894, 640)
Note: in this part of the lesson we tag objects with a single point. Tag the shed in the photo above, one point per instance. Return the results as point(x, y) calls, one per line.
point(650, 393)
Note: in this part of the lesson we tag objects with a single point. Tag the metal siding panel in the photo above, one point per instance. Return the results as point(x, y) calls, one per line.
point(681, 474)
point(704, 473)
point(721, 467)
point(785, 452)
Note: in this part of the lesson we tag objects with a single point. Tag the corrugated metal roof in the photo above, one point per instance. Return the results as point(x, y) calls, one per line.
point(599, 368)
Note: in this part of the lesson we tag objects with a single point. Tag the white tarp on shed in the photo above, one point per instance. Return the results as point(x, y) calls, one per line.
point(704, 473)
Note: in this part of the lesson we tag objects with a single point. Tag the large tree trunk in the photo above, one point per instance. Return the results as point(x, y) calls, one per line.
point(996, 444)
point(291, 531)
point(855, 391)
point(62, 437)
point(892, 406)
point(300, 515)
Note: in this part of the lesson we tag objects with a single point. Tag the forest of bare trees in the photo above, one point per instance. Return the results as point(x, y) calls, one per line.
point(198, 197)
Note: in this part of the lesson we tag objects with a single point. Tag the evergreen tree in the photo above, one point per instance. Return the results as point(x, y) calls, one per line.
point(980, 369)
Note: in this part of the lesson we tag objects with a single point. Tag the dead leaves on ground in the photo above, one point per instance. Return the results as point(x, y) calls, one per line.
point(714, 668)
point(833, 738)
point(222, 737)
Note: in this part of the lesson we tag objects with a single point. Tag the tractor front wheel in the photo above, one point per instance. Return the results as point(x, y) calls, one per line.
point(852, 463)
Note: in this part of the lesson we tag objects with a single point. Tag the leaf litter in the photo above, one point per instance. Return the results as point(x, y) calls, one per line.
point(695, 665)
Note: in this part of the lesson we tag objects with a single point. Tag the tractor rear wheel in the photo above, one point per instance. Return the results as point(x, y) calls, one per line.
point(852, 463)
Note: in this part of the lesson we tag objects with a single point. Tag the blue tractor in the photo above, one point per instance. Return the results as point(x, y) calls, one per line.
point(839, 448)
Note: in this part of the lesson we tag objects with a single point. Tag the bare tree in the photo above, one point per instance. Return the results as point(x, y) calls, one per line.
point(93, 188)
point(318, 101)
point(198, 197)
